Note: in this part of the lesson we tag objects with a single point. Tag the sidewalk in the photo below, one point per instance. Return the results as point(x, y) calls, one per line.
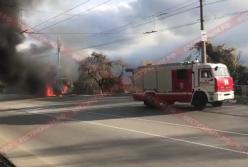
point(6, 97)
point(242, 99)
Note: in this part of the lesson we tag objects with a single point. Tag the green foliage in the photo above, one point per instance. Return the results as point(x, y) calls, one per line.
point(84, 84)
point(242, 75)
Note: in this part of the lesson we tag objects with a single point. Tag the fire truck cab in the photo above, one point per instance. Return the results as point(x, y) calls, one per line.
point(190, 82)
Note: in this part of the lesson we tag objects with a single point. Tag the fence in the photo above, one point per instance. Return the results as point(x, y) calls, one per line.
point(241, 90)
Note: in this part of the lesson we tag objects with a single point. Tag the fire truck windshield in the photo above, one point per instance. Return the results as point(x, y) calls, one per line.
point(221, 72)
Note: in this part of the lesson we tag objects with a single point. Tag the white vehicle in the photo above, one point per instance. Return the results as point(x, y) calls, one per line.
point(194, 82)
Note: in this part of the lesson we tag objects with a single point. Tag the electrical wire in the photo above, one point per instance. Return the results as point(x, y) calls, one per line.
point(122, 28)
point(209, 18)
point(137, 35)
point(71, 17)
point(157, 14)
point(178, 13)
point(79, 33)
point(60, 14)
point(215, 2)
point(160, 30)
point(160, 13)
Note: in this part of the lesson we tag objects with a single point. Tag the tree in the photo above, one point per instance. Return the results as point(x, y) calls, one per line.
point(98, 69)
point(242, 75)
point(84, 84)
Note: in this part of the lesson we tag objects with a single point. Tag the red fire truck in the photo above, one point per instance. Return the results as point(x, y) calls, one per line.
point(191, 82)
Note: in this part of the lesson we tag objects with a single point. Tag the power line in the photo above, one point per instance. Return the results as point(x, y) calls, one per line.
point(108, 33)
point(122, 28)
point(215, 2)
point(175, 14)
point(181, 12)
point(209, 18)
point(79, 14)
point(60, 14)
point(162, 13)
point(106, 44)
point(72, 33)
point(130, 23)
point(126, 39)
point(176, 27)
point(179, 26)
point(81, 33)
point(159, 30)
point(42, 11)
point(157, 14)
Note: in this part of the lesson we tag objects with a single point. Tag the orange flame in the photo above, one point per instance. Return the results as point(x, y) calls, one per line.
point(65, 89)
point(49, 91)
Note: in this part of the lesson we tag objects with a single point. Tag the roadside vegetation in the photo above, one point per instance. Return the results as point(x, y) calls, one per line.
point(99, 74)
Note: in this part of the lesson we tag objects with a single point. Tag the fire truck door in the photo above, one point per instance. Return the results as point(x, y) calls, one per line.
point(206, 80)
point(195, 81)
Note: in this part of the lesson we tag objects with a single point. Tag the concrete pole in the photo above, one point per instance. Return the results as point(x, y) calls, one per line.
point(203, 49)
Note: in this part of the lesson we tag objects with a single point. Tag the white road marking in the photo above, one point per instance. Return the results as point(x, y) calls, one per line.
point(165, 137)
point(173, 124)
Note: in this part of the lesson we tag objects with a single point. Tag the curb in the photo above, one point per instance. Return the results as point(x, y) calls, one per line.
point(242, 100)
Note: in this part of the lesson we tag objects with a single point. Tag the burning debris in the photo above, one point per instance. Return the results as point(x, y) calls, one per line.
point(58, 88)
point(50, 91)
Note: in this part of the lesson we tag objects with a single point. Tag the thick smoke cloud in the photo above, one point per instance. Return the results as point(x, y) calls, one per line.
point(10, 37)
point(14, 69)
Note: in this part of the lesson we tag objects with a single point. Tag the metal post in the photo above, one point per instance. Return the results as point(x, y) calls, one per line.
point(58, 47)
point(59, 59)
point(203, 49)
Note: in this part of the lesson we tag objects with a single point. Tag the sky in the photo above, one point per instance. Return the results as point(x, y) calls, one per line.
point(122, 29)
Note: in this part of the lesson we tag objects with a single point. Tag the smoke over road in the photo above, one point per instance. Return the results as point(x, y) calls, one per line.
point(28, 76)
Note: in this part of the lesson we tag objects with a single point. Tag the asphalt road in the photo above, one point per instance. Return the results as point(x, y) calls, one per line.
point(116, 131)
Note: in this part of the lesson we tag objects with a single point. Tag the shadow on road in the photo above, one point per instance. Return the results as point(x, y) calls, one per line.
point(54, 106)
point(84, 115)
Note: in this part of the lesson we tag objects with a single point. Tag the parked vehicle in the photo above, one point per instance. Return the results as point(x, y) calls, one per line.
point(193, 82)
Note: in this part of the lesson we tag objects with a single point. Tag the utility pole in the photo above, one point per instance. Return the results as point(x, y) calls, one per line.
point(203, 35)
point(59, 57)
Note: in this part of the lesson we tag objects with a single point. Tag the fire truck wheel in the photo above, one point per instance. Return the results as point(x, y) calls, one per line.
point(150, 101)
point(200, 101)
point(217, 104)
point(147, 104)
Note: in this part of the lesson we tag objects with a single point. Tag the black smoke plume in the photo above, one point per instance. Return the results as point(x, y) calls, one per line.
point(14, 71)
